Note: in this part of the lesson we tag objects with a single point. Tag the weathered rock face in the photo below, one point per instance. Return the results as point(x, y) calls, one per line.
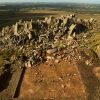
point(16, 29)
point(37, 38)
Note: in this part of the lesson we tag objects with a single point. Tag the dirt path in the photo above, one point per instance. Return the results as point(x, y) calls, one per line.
point(52, 81)
point(9, 82)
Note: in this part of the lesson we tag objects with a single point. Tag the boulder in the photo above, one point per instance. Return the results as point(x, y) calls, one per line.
point(16, 29)
point(72, 28)
point(30, 36)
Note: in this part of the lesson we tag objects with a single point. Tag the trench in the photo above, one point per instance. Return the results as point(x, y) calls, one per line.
point(19, 84)
point(4, 80)
point(10, 82)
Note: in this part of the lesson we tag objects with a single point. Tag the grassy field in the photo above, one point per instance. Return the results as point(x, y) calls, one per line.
point(10, 13)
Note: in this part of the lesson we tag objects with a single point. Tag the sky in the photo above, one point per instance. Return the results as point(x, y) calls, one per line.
point(74, 1)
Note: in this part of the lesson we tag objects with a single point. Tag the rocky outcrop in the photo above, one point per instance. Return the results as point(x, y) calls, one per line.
point(40, 40)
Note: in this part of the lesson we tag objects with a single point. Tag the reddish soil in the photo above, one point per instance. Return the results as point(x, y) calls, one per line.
point(52, 81)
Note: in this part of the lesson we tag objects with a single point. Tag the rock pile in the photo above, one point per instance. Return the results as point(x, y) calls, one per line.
point(50, 39)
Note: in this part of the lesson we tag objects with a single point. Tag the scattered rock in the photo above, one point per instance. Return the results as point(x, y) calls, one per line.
point(87, 62)
point(50, 58)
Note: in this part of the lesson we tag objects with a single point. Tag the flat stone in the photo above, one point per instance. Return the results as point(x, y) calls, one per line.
point(51, 51)
point(57, 61)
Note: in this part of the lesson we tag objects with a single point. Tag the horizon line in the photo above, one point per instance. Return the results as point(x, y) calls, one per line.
point(50, 2)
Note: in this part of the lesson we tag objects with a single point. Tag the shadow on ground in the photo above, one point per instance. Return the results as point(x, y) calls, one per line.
point(11, 17)
point(91, 82)
point(19, 84)
point(5, 79)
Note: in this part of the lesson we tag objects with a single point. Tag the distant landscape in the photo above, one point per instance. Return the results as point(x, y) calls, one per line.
point(12, 12)
point(77, 7)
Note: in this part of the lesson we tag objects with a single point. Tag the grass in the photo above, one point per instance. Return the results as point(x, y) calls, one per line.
point(6, 55)
point(92, 42)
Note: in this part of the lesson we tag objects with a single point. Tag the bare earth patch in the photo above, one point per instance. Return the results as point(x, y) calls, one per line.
point(52, 81)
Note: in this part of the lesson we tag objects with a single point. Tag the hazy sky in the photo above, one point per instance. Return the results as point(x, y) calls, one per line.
point(82, 1)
